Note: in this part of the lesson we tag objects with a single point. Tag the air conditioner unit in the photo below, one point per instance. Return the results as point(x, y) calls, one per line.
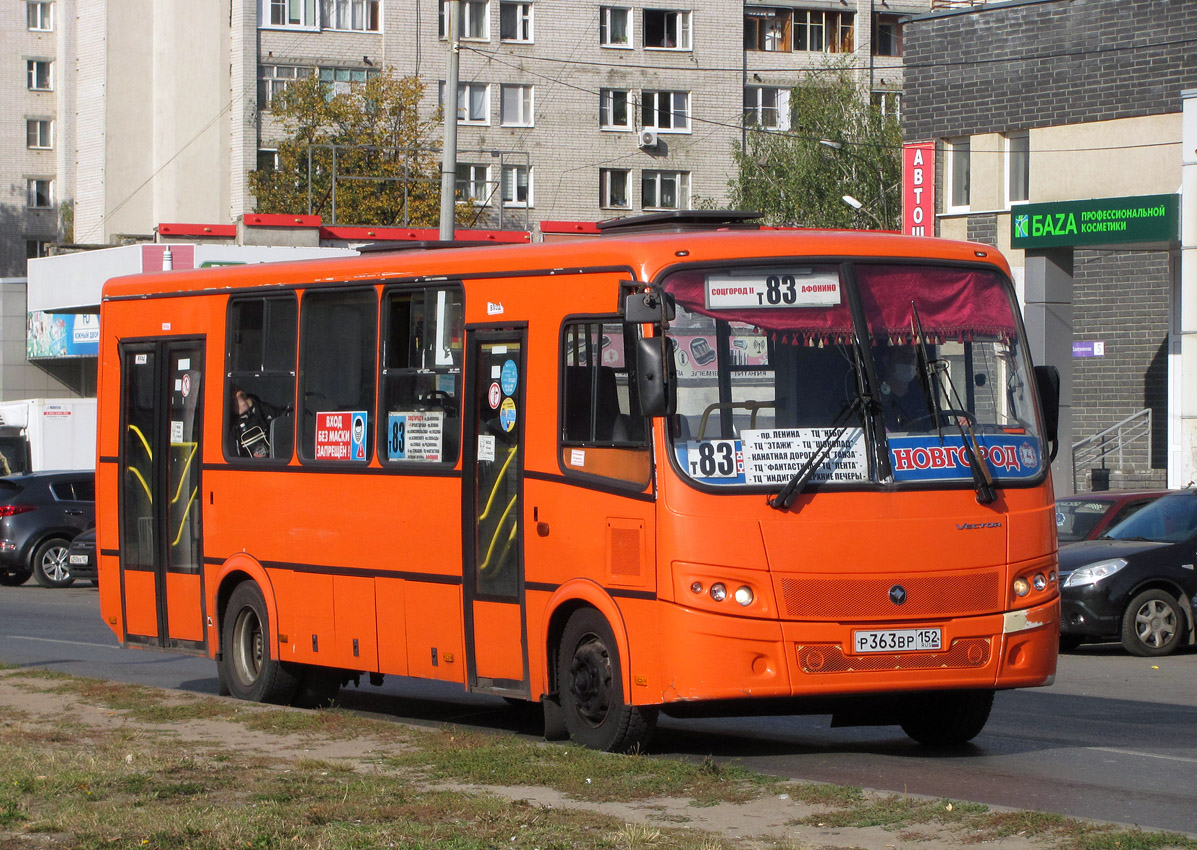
point(648, 138)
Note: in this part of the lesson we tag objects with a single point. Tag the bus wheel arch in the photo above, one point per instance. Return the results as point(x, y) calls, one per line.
point(568, 599)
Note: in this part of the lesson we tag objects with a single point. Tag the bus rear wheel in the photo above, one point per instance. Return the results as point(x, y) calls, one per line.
point(247, 668)
point(946, 718)
point(590, 681)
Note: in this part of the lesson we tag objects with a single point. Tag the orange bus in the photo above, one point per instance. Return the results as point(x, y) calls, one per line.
point(690, 466)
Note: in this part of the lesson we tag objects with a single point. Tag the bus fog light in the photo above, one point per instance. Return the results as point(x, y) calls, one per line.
point(1021, 587)
point(1039, 581)
point(718, 591)
point(1051, 577)
point(744, 595)
point(696, 587)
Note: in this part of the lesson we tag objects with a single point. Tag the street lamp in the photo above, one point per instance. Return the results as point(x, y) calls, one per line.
point(851, 201)
point(859, 207)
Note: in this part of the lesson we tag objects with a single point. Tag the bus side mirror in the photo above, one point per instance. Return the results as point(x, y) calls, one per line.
point(1047, 380)
point(656, 377)
point(645, 304)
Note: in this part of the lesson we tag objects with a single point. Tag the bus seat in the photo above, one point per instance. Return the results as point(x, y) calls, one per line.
point(282, 435)
point(610, 425)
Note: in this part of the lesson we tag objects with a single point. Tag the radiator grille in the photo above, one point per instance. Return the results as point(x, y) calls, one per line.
point(846, 598)
point(830, 658)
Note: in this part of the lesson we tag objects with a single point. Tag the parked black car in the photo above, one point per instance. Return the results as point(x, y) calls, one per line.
point(1134, 583)
point(81, 557)
point(40, 513)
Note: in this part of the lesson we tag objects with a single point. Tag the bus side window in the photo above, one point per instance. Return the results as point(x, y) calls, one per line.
point(419, 411)
point(602, 430)
point(337, 350)
point(260, 378)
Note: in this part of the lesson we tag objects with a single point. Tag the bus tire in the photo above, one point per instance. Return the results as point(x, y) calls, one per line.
point(318, 687)
point(590, 681)
point(249, 671)
point(946, 718)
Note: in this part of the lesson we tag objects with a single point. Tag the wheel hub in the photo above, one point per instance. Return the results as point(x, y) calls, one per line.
point(591, 681)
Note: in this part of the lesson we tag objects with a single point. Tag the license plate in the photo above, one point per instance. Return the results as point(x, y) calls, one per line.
point(78, 559)
point(897, 640)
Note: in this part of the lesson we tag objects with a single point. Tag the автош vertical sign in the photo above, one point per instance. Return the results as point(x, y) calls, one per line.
point(918, 189)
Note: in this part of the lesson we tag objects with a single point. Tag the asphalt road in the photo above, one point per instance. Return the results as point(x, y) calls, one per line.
point(1114, 739)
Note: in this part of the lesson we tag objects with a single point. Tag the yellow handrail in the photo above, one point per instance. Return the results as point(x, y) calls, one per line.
point(186, 466)
point(183, 521)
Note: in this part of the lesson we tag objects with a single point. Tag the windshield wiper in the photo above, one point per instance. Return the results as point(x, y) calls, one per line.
point(982, 481)
point(786, 496)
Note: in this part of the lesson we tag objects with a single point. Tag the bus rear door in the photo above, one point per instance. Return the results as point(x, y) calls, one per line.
point(160, 504)
point(493, 562)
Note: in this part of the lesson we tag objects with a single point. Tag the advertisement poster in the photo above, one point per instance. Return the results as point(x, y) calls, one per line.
point(61, 335)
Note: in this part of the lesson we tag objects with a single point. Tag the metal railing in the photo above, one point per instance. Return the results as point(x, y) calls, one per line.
point(1115, 440)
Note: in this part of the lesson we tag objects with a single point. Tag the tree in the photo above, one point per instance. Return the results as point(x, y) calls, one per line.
point(360, 157)
point(840, 144)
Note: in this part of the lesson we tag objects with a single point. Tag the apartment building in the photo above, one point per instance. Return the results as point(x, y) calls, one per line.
point(574, 110)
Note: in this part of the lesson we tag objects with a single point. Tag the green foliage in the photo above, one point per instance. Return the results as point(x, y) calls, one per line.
point(795, 179)
point(386, 160)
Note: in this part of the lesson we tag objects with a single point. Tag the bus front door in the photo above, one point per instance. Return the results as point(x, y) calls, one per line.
point(160, 551)
point(493, 580)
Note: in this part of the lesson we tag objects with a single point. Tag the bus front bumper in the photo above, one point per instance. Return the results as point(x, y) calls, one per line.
point(716, 657)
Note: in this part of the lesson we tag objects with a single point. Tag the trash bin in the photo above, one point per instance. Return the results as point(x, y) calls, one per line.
point(1099, 479)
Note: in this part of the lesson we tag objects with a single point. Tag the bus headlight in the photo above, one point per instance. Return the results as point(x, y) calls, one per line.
point(1021, 588)
point(719, 591)
point(744, 595)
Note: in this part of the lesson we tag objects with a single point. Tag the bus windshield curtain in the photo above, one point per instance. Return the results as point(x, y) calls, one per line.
point(953, 303)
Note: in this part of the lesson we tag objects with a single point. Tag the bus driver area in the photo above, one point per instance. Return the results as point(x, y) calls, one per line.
point(688, 467)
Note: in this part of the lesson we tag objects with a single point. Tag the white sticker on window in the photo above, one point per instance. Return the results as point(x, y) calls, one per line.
point(185, 363)
point(496, 371)
point(577, 457)
point(178, 385)
point(486, 447)
point(176, 431)
point(139, 360)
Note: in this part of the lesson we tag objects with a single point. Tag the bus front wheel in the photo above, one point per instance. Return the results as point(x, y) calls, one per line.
point(590, 681)
point(946, 718)
point(247, 668)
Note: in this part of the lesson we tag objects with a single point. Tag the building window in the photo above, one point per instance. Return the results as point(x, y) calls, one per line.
point(473, 182)
point(354, 15)
point(35, 248)
point(889, 103)
point(665, 190)
point(290, 13)
point(668, 111)
point(515, 106)
point(39, 16)
point(613, 109)
point(613, 188)
point(1018, 171)
point(666, 29)
point(767, 29)
point(515, 22)
point(267, 159)
point(475, 20)
point(517, 186)
point(341, 80)
point(887, 35)
point(615, 26)
point(39, 134)
point(272, 79)
point(767, 107)
point(40, 74)
point(473, 102)
point(824, 32)
point(39, 193)
point(959, 151)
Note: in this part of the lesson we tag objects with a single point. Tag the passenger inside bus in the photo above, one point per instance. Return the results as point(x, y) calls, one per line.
point(252, 425)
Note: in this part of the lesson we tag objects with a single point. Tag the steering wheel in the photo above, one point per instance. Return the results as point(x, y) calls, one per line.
point(439, 399)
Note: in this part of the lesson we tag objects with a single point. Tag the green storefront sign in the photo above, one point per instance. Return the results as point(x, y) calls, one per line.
point(1103, 221)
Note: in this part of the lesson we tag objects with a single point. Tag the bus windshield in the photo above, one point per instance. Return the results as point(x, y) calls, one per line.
point(882, 372)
